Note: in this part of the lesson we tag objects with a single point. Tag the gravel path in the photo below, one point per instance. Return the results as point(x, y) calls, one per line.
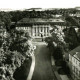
point(43, 69)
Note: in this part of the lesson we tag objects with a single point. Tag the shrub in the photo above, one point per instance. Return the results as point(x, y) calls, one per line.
point(49, 41)
point(58, 53)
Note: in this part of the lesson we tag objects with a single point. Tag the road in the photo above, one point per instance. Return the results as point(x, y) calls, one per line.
point(43, 69)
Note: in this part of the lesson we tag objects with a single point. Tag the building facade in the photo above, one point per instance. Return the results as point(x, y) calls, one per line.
point(38, 27)
point(74, 63)
point(36, 30)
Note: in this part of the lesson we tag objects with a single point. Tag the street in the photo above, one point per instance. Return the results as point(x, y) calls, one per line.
point(43, 69)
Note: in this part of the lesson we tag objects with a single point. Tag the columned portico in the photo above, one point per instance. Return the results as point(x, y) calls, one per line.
point(40, 29)
point(36, 30)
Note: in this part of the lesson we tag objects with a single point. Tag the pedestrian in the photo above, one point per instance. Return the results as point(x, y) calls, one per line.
point(42, 36)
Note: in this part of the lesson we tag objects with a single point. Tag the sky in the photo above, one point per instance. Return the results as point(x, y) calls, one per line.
point(26, 4)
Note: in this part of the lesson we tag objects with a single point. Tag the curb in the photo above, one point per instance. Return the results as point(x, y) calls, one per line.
point(55, 69)
point(31, 68)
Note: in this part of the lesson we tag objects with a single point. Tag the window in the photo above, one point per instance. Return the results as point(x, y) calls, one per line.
point(74, 76)
point(44, 31)
point(73, 68)
point(76, 71)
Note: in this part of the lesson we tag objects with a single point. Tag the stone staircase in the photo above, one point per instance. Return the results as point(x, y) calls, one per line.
point(37, 40)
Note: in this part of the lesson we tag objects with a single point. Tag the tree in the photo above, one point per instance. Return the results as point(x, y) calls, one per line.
point(49, 41)
point(58, 36)
point(16, 16)
point(58, 53)
point(78, 34)
point(6, 18)
point(65, 67)
point(71, 38)
point(15, 49)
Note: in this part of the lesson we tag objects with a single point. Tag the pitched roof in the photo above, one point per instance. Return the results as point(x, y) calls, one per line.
point(73, 52)
point(78, 55)
point(33, 20)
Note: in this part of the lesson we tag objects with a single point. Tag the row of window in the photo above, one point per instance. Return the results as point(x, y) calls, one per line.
point(75, 77)
point(76, 71)
point(22, 28)
point(74, 60)
point(36, 28)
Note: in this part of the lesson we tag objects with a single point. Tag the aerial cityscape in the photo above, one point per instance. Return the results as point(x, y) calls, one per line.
point(40, 44)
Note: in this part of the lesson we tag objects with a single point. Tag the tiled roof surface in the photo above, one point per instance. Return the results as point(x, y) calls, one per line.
point(73, 52)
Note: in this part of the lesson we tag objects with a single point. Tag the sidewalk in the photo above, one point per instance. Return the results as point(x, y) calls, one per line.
point(55, 69)
point(31, 68)
point(64, 77)
point(59, 76)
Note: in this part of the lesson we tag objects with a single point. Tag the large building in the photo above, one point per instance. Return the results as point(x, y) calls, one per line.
point(39, 27)
point(74, 63)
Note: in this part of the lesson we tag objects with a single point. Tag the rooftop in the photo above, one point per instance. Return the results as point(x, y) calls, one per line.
point(77, 55)
point(73, 52)
point(36, 20)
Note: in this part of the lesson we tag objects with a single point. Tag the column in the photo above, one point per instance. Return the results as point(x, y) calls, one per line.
point(30, 31)
point(36, 30)
point(39, 31)
point(33, 31)
point(46, 31)
point(43, 30)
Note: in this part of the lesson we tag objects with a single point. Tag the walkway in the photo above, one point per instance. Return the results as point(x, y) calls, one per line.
point(31, 68)
point(43, 68)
